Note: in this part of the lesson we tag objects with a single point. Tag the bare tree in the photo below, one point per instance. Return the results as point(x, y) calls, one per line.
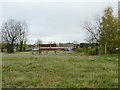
point(93, 29)
point(103, 31)
point(14, 31)
point(75, 42)
point(38, 42)
point(50, 42)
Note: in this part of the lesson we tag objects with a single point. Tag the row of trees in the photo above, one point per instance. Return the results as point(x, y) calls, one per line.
point(17, 47)
point(104, 32)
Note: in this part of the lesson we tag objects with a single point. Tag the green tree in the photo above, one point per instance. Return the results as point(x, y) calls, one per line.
point(104, 32)
point(109, 31)
point(24, 46)
point(21, 46)
point(17, 47)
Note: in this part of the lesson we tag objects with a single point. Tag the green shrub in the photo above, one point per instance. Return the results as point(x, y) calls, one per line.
point(10, 48)
point(92, 51)
point(101, 50)
point(21, 46)
point(79, 50)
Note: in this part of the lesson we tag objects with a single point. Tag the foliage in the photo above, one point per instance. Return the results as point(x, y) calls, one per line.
point(21, 46)
point(10, 48)
point(4, 46)
point(26, 48)
point(85, 47)
point(101, 50)
point(104, 31)
point(17, 47)
point(39, 47)
point(92, 51)
point(109, 31)
point(79, 50)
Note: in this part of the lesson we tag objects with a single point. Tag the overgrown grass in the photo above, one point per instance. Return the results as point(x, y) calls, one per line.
point(61, 70)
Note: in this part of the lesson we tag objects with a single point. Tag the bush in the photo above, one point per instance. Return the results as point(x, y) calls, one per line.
point(101, 50)
point(79, 50)
point(10, 48)
point(92, 51)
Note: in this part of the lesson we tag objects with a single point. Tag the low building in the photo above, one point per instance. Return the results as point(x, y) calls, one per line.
point(61, 46)
point(48, 45)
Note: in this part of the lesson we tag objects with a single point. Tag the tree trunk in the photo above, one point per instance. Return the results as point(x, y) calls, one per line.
point(21, 46)
point(105, 48)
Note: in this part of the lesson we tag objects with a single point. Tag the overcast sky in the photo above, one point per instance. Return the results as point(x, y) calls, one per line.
point(54, 21)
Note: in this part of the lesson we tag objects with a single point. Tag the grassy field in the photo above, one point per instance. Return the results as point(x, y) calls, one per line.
point(61, 70)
